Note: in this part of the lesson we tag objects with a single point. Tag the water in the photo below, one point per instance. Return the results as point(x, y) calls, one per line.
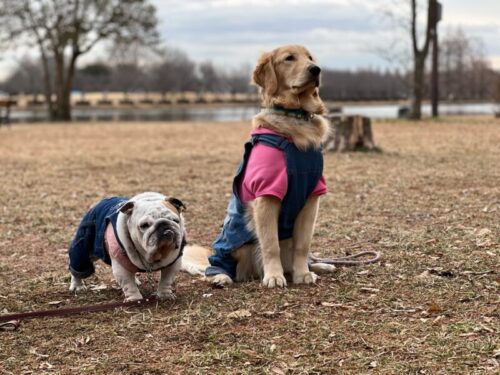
point(235, 113)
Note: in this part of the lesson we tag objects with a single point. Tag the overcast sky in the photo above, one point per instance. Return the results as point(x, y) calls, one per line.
point(340, 33)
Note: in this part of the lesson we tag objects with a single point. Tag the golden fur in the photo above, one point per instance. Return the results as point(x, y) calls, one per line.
point(285, 80)
point(288, 84)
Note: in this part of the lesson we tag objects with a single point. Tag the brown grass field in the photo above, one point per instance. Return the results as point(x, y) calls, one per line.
point(430, 202)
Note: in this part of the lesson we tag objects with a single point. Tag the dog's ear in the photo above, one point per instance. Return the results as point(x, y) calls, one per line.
point(264, 75)
point(127, 208)
point(177, 203)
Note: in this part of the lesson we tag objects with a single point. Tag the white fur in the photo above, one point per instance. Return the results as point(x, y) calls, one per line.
point(126, 229)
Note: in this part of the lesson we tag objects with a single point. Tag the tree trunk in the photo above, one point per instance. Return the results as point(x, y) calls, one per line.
point(418, 88)
point(48, 84)
point(350, 133)
point(64, 84)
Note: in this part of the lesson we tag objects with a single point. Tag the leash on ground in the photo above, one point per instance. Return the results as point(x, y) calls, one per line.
point(349, 260)
point(11, 322)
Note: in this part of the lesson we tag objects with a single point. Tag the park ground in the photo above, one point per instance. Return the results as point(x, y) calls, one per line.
point(430, 202)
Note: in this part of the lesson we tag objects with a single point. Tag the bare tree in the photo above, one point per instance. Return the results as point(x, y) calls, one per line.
point(210, 78)
point(63, 30)
point(26, 78)
point(174, 73)
point(419, 57)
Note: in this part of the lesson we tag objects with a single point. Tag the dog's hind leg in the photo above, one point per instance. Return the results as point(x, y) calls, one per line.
point(302, 237)
point(219, 280)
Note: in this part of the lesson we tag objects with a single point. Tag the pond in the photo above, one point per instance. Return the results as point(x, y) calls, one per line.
point(235, 113)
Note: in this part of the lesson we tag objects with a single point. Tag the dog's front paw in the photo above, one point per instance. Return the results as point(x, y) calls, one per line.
point(220, 280)
point(166, 295)
point(76, 285)
point(274, 281)
point(133, 297)
point(305, 278)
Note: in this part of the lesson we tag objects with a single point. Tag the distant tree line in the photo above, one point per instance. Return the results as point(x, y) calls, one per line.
point(465, 75)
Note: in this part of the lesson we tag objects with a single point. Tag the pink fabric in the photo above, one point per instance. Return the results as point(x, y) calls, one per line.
point(116, 252)
point(265, 173)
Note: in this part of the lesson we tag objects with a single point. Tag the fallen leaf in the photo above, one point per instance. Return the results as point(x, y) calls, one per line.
point(238, 314)
point(425, 275)
point(369, 290)
point(269, 313)
point(53, 303)
point(434, 308)
point(99, 287)
point(34, 352)
point(372, 364)
point(277, 370)
point(483, 232)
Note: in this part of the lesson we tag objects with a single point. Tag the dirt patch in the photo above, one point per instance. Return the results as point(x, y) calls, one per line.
point(430, 202)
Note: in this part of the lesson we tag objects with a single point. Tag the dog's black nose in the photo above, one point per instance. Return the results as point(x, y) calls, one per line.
point(168, 235)
point(314, 70)
point(164, 232)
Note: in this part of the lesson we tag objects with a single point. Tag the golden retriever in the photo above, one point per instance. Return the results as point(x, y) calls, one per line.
point(288, 78)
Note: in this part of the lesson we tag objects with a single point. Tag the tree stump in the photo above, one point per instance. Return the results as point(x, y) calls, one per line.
point(350, 133)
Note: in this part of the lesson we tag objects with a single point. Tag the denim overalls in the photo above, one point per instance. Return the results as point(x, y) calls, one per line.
point(304, 170)
point(88, 243)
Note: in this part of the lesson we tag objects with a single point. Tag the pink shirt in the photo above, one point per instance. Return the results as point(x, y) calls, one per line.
point(266, 173)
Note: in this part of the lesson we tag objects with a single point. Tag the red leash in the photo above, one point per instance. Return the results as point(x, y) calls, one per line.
point(11, 322)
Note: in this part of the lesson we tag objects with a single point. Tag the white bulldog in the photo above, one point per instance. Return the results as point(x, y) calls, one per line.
point(142, 234)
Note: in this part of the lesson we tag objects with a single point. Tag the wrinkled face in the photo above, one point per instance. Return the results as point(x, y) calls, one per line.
point(157, 226)
point(289, 77)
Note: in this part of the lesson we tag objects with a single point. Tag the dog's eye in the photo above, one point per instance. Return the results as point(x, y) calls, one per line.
point(290, 58)
point(176, 220)
point(310, 58)
point(144, 226)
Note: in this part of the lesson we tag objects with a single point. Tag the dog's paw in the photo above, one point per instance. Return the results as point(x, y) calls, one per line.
point(133, 297)
point(76, 285)
point(220, 280)
point(274, 281)
point(305, 278)
point(166, 295)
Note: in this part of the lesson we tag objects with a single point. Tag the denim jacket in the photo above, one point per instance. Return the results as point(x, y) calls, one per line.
point(88, 243)
point(304, 170)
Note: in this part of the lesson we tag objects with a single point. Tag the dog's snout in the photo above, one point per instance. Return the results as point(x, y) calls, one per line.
point(165, 232)
point(314, 70)
point(168, 235)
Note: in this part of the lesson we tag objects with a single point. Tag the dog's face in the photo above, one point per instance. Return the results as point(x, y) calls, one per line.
point(155, 225)
point(289, 77)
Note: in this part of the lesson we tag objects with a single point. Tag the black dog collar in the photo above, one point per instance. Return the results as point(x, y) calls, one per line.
point(300, 113)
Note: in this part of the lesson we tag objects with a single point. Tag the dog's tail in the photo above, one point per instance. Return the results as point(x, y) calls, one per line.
point(195, 260)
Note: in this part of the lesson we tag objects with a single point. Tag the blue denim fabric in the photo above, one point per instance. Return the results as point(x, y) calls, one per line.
point(304, 170)
point(89, 243)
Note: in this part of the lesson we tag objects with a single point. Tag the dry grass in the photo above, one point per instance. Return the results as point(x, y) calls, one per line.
point(430, 202)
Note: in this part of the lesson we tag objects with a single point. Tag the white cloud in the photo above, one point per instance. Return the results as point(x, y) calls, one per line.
point(341, 33)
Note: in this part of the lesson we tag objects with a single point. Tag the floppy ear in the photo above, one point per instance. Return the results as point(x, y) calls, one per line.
point(177, 203)
point(264, 74)
point(127, 208)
